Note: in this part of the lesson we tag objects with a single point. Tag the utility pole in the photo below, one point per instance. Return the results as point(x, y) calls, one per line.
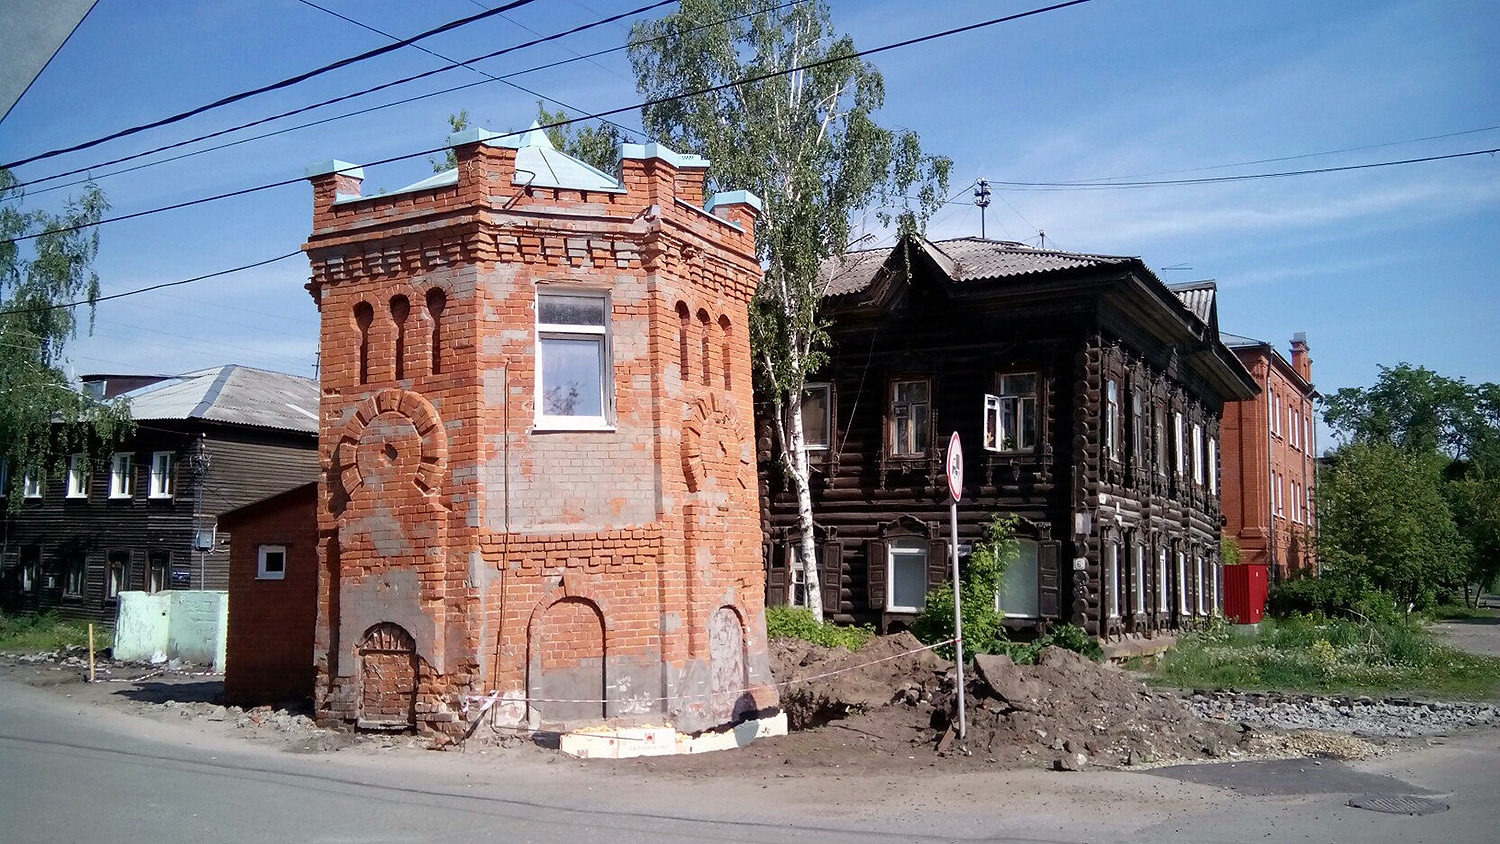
point(982, 199)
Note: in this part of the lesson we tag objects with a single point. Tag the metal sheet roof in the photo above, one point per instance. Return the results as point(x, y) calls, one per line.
point(1198, 296)
point(962, 259)
point(232, 394)
point(538, 164)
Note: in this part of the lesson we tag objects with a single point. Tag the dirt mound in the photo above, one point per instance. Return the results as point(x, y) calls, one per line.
point(832, 683)
point(1066, 710)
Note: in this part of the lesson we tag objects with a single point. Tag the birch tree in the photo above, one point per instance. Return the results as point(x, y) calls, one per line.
point(45, 265)
point(803, 139)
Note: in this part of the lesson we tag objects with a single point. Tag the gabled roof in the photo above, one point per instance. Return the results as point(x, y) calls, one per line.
point(1202, 298)
point(538, 164)
point(232, 394)
point(961, 259)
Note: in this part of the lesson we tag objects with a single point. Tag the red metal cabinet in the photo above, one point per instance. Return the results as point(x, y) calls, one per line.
point(1245, 589)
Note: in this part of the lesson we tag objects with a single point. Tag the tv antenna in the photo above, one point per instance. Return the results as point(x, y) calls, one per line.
point(982, 199)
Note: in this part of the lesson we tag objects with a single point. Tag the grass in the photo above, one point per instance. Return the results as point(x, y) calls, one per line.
point(47, 633)
point(1329, 656)
point(1459, 612)
point(798, 623)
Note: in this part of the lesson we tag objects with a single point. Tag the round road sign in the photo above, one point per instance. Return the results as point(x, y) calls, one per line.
point(955, 465)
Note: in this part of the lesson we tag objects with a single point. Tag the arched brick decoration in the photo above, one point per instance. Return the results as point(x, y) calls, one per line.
point(716, 445)
point(726, 649)
point(567, 661)
point(396, 406)
point(387, 677)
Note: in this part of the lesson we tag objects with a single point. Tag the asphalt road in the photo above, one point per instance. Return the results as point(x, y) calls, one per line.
point(77, 772)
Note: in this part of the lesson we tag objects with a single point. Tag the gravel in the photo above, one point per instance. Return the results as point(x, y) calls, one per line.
point(1359, 716)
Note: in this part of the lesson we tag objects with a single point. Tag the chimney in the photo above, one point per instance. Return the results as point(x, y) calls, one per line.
point(1301, 361)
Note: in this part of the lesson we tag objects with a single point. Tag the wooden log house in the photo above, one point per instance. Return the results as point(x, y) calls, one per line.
point(1088, 396)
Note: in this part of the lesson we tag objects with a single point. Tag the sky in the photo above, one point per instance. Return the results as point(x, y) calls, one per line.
point(1377, 265)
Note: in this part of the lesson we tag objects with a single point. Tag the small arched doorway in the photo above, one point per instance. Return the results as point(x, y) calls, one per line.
point(387, 678)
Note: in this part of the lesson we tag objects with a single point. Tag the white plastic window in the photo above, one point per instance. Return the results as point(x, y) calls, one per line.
point(78, 476)
point(1020, 596)
point(574, 384)
point(1010, 416)
point(161, 475)
point(271, 562)
point(122, 475)
point(907, 575)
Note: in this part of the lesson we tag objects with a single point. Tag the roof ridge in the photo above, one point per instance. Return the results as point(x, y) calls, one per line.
point(211, 395)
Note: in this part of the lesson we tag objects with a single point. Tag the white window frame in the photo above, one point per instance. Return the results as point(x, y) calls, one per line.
point(826, 389)
point(161, 475)
point(1213, 465)
point(31, 484)
point(122, 475)
point(1138, 434)
point(1030, 555)
point(1112, 578)
point(1182, 605)
point(1163, 594)
point(1022, 406)
point(1202, 582)
point(262, 555)
point(78, 478)
point(601, 334)
point(1138, 578)
point(1200, 467)
point(903, 546)
point(1112, 419)
point(1179, 438)
point(922, 432)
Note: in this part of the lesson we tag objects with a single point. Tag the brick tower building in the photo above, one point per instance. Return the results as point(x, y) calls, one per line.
point(539, 501)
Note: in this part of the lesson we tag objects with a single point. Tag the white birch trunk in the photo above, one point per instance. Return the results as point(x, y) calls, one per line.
point(800, 472)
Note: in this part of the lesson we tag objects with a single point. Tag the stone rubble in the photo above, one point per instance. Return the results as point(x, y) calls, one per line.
point(1359, 716)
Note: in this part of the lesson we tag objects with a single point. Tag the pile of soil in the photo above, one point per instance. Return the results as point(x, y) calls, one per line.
point(1066, 711)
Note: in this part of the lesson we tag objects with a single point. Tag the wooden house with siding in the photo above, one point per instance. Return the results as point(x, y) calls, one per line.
point(1087, 395)
point(146, 518)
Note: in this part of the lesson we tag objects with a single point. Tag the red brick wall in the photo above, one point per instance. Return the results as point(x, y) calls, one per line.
point(454, 514)
point(270, 639)
point(1253, 449)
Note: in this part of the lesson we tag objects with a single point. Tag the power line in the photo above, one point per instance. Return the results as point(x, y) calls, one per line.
point(723, 86)
point(491, 77)
point(1091, 185)
point(384, 85)
point(149, 288)
point(274, 86)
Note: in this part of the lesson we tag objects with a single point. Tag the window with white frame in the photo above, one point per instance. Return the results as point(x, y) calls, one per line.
point(161, 475)
point(910, 400)
point(1112, 419)
point(1213, 465)
point(817, 416)
point(1182, 604)
point(78, 476)
point(907, 575)
point(1200, 466)
point(31, 484)
point(1162, 601)
point(1291, 425)
point(270, 562)
point(1200, 581)
point(1276, 493)
point(1137, 578)
point(1215, 605)
point(1307, 431)
point(574, 383)
point(1010, 415)
point(1179, 439)
point(1161, 442)
point(122, 475)
point(1020, 595)
point(31, 567)
point(1273, 402)
point(1112, 578)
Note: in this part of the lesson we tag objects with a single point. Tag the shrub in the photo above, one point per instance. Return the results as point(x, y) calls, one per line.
point(981, 577)
point(1066, 636)
point(798, 623)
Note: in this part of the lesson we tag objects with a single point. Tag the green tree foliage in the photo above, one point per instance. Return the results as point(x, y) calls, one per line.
point(456, 123)
point(1385, 521)
point(597, 146)
point(984, 632)
point(42, 418)
point(805, 142)
point(1454, 426)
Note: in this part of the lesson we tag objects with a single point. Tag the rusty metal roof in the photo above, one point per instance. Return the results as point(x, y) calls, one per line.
point(232, 394)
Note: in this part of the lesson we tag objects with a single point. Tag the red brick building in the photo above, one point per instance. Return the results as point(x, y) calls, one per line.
point(1270, 459)
point(273, 587)
point(539, 497)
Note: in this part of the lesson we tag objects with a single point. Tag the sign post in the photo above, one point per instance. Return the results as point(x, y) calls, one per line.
point(955, 467)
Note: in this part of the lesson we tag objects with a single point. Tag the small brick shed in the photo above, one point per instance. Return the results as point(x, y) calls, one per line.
point(539, 498)
point(273, 588)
